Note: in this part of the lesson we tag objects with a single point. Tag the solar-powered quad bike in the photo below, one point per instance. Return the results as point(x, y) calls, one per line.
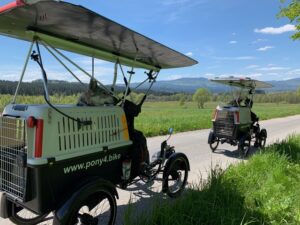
point(69, 159)
point(235, 123)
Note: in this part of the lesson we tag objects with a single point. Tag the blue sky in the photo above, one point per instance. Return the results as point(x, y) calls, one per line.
point(232, 37)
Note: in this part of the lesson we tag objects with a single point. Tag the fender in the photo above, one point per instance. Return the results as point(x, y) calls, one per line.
point(211, 137)
point(89, 187)
point(169, 162)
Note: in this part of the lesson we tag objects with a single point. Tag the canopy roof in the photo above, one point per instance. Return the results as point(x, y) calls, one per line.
point(242, 82)
point(77, 29)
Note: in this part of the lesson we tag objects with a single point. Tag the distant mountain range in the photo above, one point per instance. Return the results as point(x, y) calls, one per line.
point(187, 85)
point(190, 85)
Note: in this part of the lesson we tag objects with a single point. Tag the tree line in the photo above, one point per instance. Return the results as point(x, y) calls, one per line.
point(201, 96)
point(36, 88)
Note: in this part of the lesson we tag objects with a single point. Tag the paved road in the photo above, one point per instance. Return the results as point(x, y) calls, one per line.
point(194, 145)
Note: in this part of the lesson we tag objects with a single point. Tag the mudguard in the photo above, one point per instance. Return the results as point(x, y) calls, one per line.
point(211, 137)
point(173, 157)
point(63, 213)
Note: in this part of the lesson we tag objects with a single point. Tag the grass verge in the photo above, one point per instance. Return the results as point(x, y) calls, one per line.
point(264, 190)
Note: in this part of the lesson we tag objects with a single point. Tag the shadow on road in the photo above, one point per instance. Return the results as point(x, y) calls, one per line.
point(236, 153)
point(143, 196)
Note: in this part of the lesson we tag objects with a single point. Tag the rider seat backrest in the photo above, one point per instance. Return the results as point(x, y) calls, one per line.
point(248, 102)
point(132, 110)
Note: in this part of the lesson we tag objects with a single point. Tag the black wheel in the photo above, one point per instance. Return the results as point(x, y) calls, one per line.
point(213, 141)
point(244, 146)
point(214, 145)
point(176, 177)
point(262, 138)
point(98, 208)
point(23, 216)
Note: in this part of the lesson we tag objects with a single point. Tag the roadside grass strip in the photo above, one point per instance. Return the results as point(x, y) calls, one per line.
point(263, 190)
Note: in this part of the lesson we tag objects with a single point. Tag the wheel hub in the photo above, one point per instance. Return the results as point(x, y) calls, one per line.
point(87, 219)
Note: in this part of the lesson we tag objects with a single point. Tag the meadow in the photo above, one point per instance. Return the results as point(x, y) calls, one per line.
point(262, 191)
point(157, 117)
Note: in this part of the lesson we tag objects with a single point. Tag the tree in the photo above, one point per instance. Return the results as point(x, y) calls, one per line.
point(292, 11)
point(182, 101)
point(298, 92)
point(201, 96)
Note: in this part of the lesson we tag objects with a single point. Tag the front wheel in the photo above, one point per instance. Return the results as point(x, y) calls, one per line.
point(176, 177)
point(262, 138)
point(98, 208)
point(244, 146)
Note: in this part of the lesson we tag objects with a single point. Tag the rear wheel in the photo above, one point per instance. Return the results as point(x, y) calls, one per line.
point(244, 146)
point(22, 216)
point(176, 177)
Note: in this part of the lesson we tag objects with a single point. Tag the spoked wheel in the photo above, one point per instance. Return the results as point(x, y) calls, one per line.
point(23, 216)
point(99, 208)
point(176, 177)
point(244, 147)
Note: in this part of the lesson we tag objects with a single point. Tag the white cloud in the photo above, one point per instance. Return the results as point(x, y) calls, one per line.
point(190, 54)
point(276, 30)
point(252, 66)
point(266, 48)
point(237, 58)
point(294, 73)
point(209, 75)
point(259, 40)
point(232, 42)
point(273, 68)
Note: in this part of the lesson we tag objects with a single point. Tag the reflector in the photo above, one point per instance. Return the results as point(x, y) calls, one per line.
point(11, 5)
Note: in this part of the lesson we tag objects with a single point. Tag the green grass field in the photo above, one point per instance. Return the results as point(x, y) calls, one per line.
point(265, 190)
point(157, 117)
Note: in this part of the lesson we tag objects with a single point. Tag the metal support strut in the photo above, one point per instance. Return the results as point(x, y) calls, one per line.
point(23, 72)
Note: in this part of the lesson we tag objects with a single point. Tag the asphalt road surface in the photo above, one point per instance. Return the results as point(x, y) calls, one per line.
point(194, 145)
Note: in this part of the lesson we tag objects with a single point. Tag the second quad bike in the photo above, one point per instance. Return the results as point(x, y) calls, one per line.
point(67, 160)
point(236, 123)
